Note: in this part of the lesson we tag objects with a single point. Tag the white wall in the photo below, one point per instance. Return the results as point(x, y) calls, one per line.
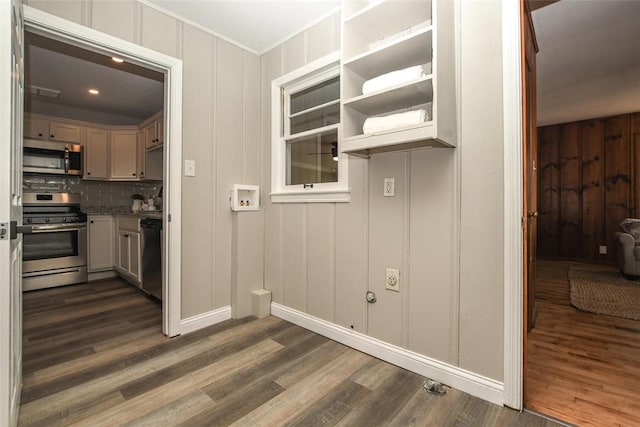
point(220, 102)
point(443, 230)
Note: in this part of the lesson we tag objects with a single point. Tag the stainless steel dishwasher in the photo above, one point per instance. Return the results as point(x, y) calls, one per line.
point(152, 256)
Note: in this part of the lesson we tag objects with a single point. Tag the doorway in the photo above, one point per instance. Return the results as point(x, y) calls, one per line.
point(579, 366)
point(51, 27)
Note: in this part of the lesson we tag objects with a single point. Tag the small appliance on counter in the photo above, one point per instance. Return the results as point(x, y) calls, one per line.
point(55, 240)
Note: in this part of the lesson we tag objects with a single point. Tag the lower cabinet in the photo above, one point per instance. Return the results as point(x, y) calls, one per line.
point(100, 247)
point(128, 262)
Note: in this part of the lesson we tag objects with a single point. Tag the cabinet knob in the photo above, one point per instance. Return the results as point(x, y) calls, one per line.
point(91, 221)
point(134, 174)
point(88, 173)
point(52, 136)
point(40, 134)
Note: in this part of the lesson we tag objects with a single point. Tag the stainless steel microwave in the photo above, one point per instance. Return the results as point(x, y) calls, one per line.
point(52, 157)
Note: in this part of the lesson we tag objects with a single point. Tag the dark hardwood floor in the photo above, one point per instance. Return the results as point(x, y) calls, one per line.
point(94, 355)
point(583, 368)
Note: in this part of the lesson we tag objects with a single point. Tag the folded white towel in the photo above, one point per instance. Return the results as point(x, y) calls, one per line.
point(393, 78)
point(392, 121)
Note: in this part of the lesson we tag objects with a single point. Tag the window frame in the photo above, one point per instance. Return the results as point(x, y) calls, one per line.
point(316, 72)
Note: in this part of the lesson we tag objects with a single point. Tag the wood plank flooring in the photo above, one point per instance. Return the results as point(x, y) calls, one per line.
point(583, 368)
point(94, 355)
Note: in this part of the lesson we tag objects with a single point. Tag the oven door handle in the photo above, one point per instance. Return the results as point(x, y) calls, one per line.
point(57, 227)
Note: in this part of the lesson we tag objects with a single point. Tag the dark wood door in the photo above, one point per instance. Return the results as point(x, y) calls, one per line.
point(530, 159)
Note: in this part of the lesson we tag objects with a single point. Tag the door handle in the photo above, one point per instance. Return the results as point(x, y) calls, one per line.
point(14, 229)
point(532, 214)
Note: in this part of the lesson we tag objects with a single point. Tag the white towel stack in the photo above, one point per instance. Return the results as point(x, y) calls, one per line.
point(393, 121)
point(394, 78)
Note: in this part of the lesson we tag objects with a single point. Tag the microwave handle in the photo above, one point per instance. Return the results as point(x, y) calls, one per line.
point(66, 160)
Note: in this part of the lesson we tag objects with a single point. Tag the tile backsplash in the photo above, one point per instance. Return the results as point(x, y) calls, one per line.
point(105, 194)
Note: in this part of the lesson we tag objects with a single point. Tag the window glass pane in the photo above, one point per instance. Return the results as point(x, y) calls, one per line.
point(313, 96)
point(310, 160)
point(316, 119)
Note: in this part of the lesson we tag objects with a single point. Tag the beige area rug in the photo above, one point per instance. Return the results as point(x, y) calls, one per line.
point(604, 292)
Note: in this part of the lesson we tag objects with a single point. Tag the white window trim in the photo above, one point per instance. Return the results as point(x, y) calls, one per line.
point(321, 192)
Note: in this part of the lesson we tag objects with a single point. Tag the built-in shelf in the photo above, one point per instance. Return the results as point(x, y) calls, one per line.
point(390, 35)
point(393, 98)
point(411, 49)
point(383, 18)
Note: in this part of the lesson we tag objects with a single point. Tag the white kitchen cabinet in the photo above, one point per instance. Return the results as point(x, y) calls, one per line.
point(421, 33)
point(123, 150)
point(153, 132)
point(36, 127)
point(101, 248)
point(96, 154)
point(42, 128)
point(128, 261)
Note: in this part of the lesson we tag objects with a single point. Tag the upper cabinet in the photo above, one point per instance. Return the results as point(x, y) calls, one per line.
point(398, 75)
point(123, 150)
point(153, 132)
point(96, 154)
point(42, 128)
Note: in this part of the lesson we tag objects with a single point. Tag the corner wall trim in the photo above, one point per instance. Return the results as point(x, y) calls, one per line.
point(199, 321)
point(468, 382)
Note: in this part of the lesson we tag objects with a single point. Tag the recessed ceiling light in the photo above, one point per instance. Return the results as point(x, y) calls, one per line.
point(94, 91)
point(116, 59)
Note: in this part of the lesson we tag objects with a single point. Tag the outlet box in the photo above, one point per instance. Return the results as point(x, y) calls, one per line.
point(392, 280)
point(245, 197)
point(389, 187)
point(603, 249)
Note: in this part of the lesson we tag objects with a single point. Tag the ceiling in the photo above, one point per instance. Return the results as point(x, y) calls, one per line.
point(256, 25)
point(589, 60)
point(128, 93)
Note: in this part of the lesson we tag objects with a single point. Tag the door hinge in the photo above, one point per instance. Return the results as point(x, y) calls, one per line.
point(168, 217)
point(522, 222)
point(4, 231)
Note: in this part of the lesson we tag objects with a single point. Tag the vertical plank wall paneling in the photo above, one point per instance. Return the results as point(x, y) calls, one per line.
point(218, 130)
point(570, 191)
point(591, 132)
point(198, 53)
point(548, 189)
point(588, 184)
point(481, 191)
point(415, 231)
point(617, 176)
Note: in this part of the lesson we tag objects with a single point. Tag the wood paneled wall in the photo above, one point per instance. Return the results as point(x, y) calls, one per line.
point(589, 181)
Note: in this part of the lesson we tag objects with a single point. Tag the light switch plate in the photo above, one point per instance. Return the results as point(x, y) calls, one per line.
point(189, 168)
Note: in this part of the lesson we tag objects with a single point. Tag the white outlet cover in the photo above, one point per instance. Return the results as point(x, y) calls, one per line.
point(392, 279)
point(389, 189)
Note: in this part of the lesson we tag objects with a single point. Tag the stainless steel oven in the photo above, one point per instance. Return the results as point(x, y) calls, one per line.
point(55, 241)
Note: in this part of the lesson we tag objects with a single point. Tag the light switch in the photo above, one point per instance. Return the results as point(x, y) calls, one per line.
point(189, 168)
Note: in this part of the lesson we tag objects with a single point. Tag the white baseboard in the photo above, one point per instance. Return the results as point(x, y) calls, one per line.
point(203, 320)
point(453, 376)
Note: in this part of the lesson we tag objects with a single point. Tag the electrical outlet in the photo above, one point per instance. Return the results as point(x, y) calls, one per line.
point(389, 187)
point(392, 280)
point(603, 249)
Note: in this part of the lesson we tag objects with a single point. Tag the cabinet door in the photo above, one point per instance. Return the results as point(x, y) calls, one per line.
point(142, 161)
point(96, 154)
point(36, 128)
point(100, 243)
point(123, 264)
point(59, 131)
point(123, 150)
point(160, 130)
point(154, 163)
point(134, 256)
point(150, 134)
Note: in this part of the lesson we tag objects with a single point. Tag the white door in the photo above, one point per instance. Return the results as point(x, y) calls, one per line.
point(11, 89)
